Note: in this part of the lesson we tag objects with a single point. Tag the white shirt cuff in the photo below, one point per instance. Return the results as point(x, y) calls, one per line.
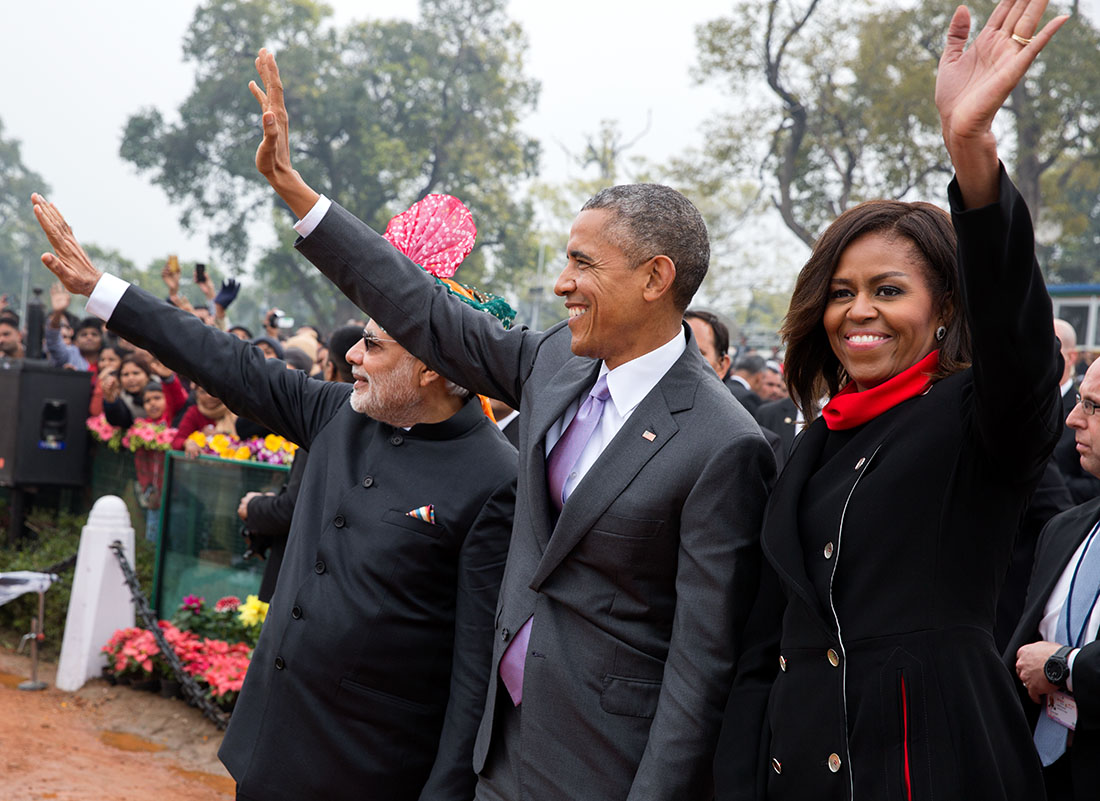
point(1069, 661)
point(106, 295)
point(313, 218)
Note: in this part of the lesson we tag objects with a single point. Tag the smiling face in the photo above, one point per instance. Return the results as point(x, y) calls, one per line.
point(132, 378)
point(603, 293)
point(387, 379)
point(880, 317)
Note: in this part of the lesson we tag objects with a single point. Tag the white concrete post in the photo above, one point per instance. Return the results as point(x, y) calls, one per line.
point(100, 602)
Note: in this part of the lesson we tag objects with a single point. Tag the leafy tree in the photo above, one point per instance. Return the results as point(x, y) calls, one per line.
point(382, 113)
point(848, 113)
point(21, 240)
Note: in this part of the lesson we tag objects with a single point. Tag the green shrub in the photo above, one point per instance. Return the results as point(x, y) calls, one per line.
point(54, 536)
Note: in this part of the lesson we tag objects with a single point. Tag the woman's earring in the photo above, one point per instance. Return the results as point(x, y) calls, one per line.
point(941, 332)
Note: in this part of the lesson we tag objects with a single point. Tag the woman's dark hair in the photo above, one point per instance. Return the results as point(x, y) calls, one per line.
point(812, 369)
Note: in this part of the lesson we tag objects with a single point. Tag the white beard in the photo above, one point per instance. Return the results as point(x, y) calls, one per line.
point(390, 397)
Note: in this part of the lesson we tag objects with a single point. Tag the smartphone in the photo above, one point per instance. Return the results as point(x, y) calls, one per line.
point(174, 264)
point(200, 273)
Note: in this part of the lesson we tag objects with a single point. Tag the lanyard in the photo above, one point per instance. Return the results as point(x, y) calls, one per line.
point(1076, 642)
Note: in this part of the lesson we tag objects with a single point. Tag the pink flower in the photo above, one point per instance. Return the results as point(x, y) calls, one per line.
point(227, 604)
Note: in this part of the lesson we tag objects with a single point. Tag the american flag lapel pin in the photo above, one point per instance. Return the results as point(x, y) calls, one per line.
point(648, 435)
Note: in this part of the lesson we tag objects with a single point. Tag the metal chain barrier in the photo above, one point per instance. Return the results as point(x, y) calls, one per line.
point(62, 566)
point(191, 689)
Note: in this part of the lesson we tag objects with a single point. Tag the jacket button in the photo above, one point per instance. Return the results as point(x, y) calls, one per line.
point(783, 663)
point(834, 658)
point(862, 461)
point(834, 763)
point(828, 550)
point(338, 521)
point(396, 439)
point(319, 568)
point(777, 765)
point(279, 663)
point(504, 634)
point(296, 612)
point(368, 482)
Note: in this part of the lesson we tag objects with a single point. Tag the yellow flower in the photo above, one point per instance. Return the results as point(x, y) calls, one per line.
point(289, 447)
point(198, 438)
point(273, 442)
point(252, 612)
point(243, 453)
point(219, 442)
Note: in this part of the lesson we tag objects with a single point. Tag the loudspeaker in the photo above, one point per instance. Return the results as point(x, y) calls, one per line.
point(43, 417)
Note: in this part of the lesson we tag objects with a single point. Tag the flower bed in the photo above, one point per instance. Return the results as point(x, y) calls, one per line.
point(214, 645)
point(146, 435)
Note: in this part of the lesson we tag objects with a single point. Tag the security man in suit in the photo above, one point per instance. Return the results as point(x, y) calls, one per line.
point(712, 337)
point(635, 553)
point(1082, 486)
point(369, 678)
point(1054, 650)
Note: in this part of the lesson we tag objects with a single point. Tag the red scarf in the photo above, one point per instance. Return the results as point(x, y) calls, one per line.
point(850, 408)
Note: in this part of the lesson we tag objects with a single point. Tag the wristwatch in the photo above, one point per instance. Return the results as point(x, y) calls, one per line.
point(1056, 668)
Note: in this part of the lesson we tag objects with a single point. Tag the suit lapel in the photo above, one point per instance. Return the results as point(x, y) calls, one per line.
point(622, 460)
point(577, 375)
point(1056, 555)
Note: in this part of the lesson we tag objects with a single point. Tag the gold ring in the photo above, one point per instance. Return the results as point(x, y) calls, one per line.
point(1021, 40)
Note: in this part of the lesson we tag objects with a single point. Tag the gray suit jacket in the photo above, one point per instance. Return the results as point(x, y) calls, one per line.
point(641, 587)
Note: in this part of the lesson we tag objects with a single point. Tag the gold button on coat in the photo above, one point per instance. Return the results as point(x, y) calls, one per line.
point(834, 763)
point(828, 550)
point(783, 663)
point(834, 659)
point(777, 765)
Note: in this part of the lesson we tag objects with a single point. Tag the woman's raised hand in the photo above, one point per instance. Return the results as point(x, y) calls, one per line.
point(974, 82)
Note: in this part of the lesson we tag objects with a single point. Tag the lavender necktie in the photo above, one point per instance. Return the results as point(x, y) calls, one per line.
point(568, 449)
point(563, 456)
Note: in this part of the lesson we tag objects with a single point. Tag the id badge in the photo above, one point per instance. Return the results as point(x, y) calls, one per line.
point(1062, 709)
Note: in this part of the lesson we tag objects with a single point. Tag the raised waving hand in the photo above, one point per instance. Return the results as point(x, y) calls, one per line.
point(273, 154)
point(974, 82)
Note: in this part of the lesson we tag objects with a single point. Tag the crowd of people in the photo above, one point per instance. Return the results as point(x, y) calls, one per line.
point(609, 561)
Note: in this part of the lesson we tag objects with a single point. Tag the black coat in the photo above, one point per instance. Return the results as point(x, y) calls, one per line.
point(1057, 544)
point(745, 396)
point(370, 675)
point(887, 545)
point(779, 417)
point(269, 518)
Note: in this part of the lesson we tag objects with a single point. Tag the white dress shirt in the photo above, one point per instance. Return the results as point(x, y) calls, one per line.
point(628, 384)
point(1048, 626)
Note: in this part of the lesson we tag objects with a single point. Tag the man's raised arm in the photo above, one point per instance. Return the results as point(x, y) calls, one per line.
point(466, 346)
point(283, 400)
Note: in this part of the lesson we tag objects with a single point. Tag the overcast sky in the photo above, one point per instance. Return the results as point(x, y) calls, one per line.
point(74, 71)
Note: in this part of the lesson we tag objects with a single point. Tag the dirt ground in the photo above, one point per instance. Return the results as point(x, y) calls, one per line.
point(102, 742)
